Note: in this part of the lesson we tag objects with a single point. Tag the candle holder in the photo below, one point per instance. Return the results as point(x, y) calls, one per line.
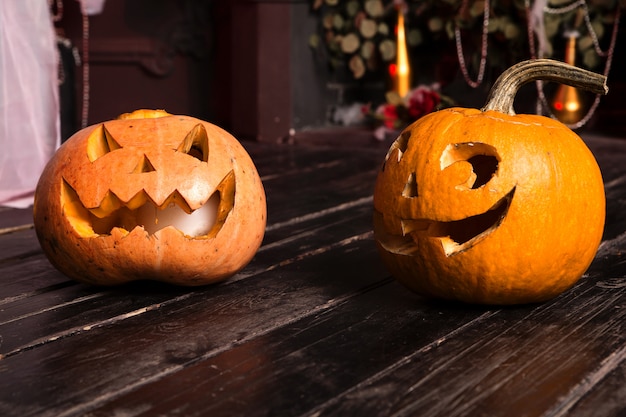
point(567, 103)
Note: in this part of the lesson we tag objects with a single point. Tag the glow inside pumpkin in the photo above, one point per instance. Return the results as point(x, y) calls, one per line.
point(150, 196)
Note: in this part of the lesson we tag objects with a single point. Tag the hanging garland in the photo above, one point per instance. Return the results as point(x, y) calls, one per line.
point(542, 104)
point(483, 47)
point(357, 36)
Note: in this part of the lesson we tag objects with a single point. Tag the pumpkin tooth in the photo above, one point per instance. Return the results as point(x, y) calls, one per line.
point(195, 223)
point(410, 225)
point(138, 200)
point(176, 199)
point(398, 244)
point(115, 216)
point(108, 205)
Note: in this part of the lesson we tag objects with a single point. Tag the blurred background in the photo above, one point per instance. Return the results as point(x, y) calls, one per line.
point(271, 69)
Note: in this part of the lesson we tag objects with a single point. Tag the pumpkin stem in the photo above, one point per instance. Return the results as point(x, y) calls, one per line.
point(505, 88)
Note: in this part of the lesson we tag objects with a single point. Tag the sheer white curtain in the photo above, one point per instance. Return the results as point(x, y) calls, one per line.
point(29, 103)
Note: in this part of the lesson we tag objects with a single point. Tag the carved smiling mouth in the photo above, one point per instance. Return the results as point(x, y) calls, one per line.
point(455, 236)
point(142, 212)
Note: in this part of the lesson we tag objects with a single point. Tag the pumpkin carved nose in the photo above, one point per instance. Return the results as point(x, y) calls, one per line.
point(143, 166)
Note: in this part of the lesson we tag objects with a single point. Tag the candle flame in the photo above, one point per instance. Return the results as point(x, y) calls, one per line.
point(403, 70)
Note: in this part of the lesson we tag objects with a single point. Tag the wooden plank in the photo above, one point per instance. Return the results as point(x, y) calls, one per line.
point(538, 342)
point(304, 363)
point(312, 326)
point(319, 186)
point(79, 367)
point(602, 393)
point(53, 320)
point(14, 219)
point(289, 160)
point(387, 352)
point(324, 355)
point(23, 317)
point(609, 152)
point(19, 242)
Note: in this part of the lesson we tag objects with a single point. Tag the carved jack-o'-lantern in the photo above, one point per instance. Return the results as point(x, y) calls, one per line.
point(485, 206)
point(150, 196)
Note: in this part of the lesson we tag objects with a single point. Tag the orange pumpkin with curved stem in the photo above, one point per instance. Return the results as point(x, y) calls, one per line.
point(150, 196)
point(486, 206)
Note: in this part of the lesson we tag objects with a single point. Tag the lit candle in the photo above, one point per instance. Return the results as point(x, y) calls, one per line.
point(403, 70)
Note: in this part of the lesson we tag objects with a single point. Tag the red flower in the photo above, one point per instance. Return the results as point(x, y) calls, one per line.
point(390, 115)
point(422, 101)
point(398, 112)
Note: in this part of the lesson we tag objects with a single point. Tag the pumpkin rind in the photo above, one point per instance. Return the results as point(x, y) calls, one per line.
point(144, 159)
point(546, 194)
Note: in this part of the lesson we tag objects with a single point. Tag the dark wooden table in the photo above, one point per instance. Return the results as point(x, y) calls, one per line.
point(314, 325)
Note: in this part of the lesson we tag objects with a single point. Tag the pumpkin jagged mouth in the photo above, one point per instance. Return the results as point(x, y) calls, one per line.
point(142, 212)
point(455, 236)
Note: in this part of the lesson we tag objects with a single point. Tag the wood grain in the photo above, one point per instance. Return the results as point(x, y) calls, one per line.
point(314, 325)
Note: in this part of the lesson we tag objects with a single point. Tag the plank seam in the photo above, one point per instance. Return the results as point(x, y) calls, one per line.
point(79, 329)
point(301, 171)
point(321, 213)
point(588, 383)
point(83, 408)
point(13, 229)
point(403, 361)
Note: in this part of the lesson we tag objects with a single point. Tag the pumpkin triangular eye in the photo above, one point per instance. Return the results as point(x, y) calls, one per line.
point(100, 143)
point(196, 143)
point(400, 145)
point(144, 166)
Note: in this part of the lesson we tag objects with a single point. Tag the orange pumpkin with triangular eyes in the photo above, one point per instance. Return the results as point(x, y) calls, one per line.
point(150, 195)
point(487, 206)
